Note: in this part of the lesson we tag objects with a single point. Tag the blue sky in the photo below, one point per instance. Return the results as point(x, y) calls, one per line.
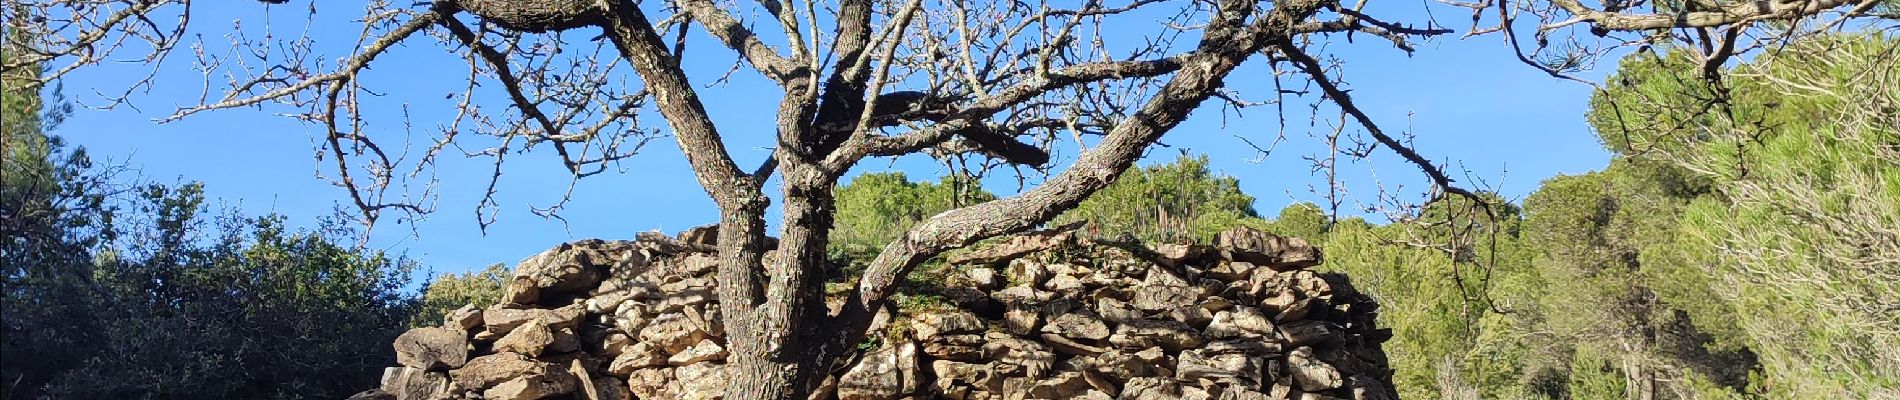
point(1467, 101)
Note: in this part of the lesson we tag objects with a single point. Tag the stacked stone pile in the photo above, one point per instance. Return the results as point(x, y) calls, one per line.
point(1047, 315)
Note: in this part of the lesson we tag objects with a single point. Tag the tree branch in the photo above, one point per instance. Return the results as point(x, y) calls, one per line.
point(737, 37)
point(677, 102)
point(1733, 13)
point(1317, 73)
point(972, 115)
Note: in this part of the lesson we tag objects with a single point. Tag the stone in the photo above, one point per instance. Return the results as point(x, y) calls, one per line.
point(1151, 388)
point(963, 347)
point(485, 371)
point(1251, 320)
point(1033, 357)
point(701, 381)
point(1232, 369)
point(1193, 315)
point(1125, 365)
point(610, 388)
point(466, 318)
point(632, 316)
point(531, 339)
point(410, 383)
point(1027, 273)
point(636, 357)
point(607, 303)
point(1305, 333)
point(1156, 298)
point(1068, 346)
point(1231, 270)
point(372, 394)
point(1311, 374)
point(565, 269)
point(555, 382)
point(1022, 295)
point(432, 349)
point(1175, 254)
point(503, 320)
point(984, 278)
point(930, 326)
point(651, 383)
point(1247, 245)
point(672, 333)
point(1244, 393)
point(1064, 385)
point(1296, 311)
point(705, 350)
point(1021, 321)
point(1280, 301)
point(1112, 309)
point(951, 374)
point(565, 341)
point(1252, 347)
point(1064, 284)
point(703, 235)
point(1079, 324)
point(883, 374)
point(583, 380)
point(1170, 335)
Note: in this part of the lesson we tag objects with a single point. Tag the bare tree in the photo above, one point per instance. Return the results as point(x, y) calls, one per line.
point(858, 79)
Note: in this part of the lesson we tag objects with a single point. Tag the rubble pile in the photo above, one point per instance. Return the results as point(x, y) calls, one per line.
point(1045, 315)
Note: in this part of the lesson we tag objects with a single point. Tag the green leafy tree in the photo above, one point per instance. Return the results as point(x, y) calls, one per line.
point(1176, 201)
point(1793, 235)
point(874, 208)
point(115, 290)
point(451, 291)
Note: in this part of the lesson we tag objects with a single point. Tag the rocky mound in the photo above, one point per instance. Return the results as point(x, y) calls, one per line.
point(1047, 315)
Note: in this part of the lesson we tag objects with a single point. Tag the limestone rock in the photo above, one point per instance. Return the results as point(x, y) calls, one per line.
point(1309, 333)
point(701, 381)
point(565, 269)
point(502, 320)
point(554, 382)
point(610, 388)
point(984, 278)
point(704, 235)
point(1078, 324)
point(705, 350)
point(1170, 335)
point(636, 357)
point(1264, 249)
point(466, 318)
point(883, 374)
point(1164, 298)
point(485, 371)
point(530, 339)
point(652, 383)
point(432, 348)
point(930, 326)
point(1311, 374)
point(372, 394)
point(410, 383)
point(672, 333)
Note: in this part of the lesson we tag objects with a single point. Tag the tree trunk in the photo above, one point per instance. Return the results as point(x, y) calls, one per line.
point(776, 352)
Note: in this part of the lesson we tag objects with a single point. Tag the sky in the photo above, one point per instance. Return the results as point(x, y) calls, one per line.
point(1466, 102)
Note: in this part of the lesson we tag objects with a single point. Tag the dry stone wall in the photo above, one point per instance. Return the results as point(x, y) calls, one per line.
point(1046, 315)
